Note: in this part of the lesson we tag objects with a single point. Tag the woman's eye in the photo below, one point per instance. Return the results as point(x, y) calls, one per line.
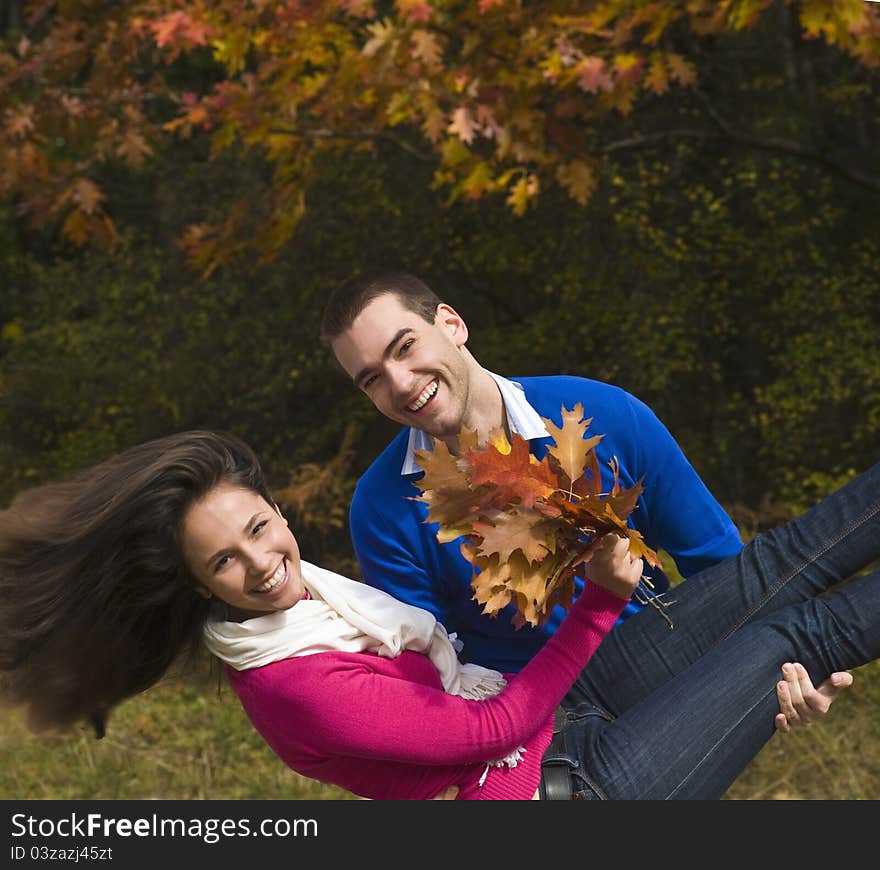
point(220, 563)
point(259, 526)
point(368, 382)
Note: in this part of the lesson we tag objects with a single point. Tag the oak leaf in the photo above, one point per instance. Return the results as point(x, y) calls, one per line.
point(520, 529)
point(462, 124)
point(527, 525)
point(578, 179)
point(427, 49)
point(442, 471)
point(568, 439)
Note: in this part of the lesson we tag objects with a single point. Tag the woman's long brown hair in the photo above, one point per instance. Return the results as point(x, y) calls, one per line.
point(96, 600)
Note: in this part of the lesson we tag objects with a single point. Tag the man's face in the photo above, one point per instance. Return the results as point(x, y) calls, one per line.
point(413, 371)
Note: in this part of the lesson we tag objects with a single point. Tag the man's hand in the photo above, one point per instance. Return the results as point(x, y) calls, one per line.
point(800, 702)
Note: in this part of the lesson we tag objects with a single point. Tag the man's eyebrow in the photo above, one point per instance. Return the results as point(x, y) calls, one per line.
point(385, 354)
point(248, 526)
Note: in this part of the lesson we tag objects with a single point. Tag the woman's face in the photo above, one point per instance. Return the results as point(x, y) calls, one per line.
point(239, 548)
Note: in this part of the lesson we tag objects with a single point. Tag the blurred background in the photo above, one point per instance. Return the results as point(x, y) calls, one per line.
point(679, 198)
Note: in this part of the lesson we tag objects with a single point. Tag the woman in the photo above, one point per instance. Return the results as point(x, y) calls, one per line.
point(107, 579)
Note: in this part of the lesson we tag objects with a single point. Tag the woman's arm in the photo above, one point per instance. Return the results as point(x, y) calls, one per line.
point(362, 706)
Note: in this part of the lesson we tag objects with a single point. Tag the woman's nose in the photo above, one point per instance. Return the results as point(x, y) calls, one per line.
point(262, 562)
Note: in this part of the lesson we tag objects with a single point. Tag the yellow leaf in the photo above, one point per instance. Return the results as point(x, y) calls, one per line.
point(569, 448)
point(578, 179)
point(426, 48)
point(232, 51)
point(399, 108)
point(454, 152)
point(523, 191)
point(657, 79)
point(434, 124)
point(133, 148)
point(479, 181)
point(12, 332)
point(87, 195)
point(681, 70)
point(498, 440)
point(381, 34)
point(76, 227)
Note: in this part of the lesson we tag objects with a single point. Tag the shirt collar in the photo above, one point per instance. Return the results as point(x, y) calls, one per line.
point(522, 418)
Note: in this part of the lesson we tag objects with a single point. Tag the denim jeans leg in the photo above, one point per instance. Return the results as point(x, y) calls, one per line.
point(795, 562)
point(693, 736)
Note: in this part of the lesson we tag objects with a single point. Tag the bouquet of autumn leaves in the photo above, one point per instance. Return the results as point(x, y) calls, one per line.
point(528, 525)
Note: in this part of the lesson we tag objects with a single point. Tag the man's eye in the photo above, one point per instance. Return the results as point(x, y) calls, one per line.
point(407, 345)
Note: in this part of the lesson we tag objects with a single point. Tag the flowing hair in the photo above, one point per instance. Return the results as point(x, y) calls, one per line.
point(96, 599)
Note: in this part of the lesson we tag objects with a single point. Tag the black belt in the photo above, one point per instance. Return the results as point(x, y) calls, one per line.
point(557, 765)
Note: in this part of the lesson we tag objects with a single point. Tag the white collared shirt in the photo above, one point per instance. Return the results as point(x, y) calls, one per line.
point(522, 418)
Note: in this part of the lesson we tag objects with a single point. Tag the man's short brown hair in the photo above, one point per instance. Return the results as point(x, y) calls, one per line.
point(349, 299)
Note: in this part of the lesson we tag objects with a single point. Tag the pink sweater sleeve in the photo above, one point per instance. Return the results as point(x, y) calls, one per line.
point(348, 707)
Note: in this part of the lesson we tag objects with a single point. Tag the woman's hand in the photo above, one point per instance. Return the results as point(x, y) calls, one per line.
point(613, 567)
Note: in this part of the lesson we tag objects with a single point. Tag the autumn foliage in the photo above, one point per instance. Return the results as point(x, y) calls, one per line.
point(528, 525)
point(504, 98)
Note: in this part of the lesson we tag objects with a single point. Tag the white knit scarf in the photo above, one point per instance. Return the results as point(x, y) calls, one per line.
point(348, 616)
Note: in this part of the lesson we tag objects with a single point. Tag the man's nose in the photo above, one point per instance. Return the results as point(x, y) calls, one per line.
point(400, 379)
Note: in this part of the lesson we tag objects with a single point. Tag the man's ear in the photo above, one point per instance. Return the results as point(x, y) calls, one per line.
point(451, 321)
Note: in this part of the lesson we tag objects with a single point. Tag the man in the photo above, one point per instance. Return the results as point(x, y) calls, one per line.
point(406, 350)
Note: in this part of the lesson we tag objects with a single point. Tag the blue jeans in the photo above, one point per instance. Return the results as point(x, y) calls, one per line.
point(662, 713)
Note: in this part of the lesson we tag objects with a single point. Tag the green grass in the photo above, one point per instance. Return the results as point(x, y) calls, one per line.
point(184, 741)
point(176, 741)
point(835, 759)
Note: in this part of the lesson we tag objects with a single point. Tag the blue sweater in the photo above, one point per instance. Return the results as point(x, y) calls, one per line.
point(398, 551)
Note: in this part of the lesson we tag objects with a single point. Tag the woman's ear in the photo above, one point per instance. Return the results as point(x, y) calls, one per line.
point(204, 591)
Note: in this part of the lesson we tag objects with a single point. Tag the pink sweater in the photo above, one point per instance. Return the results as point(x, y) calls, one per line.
point(385, 729)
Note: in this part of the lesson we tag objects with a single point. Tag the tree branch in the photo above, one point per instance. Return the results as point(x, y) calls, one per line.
point(726, 134)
